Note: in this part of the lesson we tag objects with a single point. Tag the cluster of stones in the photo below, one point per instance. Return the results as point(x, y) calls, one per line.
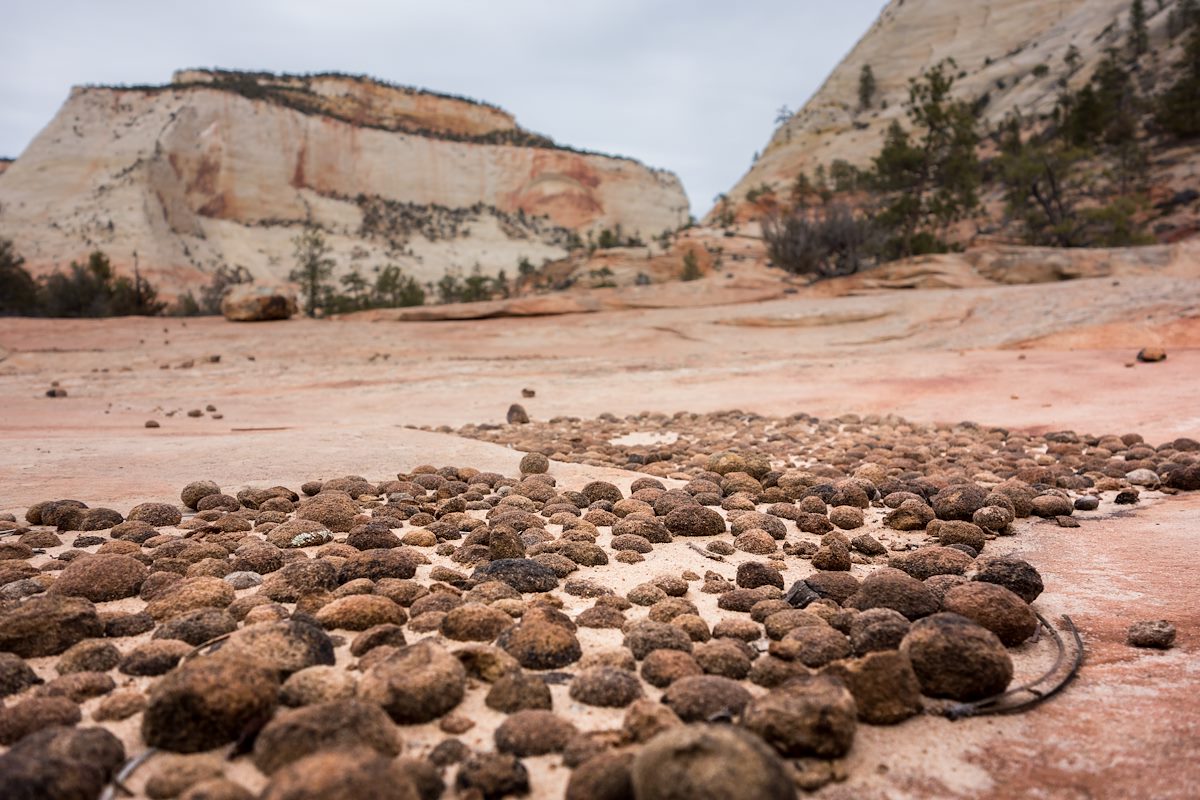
point(328, 620)
point(1065, 459)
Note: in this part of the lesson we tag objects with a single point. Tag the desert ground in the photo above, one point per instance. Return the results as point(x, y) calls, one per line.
point(305, 400)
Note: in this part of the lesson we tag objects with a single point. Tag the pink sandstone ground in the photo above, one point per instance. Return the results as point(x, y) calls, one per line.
point(309, 399)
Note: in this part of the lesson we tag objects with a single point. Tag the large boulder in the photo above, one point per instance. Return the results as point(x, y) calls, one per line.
point(250, 303)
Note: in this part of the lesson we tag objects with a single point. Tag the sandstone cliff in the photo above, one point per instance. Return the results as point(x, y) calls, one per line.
point(222, 168)
point(1010, 56)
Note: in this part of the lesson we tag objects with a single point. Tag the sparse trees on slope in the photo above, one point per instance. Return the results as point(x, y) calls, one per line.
point(1178, 110)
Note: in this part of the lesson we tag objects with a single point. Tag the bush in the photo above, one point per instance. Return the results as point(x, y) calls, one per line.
point(394, 289)
point(476, 287)
point(691, 267)
point(18, 290)
point(84, 290)
point(93, 290)
point(836, 243)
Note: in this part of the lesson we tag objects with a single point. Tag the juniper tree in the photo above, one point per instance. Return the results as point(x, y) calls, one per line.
point(866, 87)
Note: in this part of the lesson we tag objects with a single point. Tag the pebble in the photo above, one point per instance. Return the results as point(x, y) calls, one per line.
point(885, 687)
point(995, 608)
point(814, 715)
point(24, 717)
point(537, 644)
point(207, 702)
point(1151, 355)
point(683, 763)
point(493, 775)
point(46, 625)
point(956, 658)
point(61, 763)
point(1014, 574)
point(1158, 634)
point(415, 684)
point(518, 690)
point(892, 589)
point(343, 774)
point(294, 734)
point(703, 698)
point(524, 575)
point(533, 732)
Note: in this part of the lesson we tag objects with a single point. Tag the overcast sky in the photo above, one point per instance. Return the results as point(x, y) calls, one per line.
point(688, 86)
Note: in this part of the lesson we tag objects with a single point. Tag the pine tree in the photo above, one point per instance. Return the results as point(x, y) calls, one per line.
point(1139, 37)
point(313, 267)
point(932, 183)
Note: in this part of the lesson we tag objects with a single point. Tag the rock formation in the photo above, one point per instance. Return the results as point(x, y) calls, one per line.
point(223, 168)
point(1010, 56)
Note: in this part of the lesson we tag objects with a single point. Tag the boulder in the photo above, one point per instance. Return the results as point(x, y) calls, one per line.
point(251, 303)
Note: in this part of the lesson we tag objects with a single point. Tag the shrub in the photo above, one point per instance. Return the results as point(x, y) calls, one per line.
point(18, 290)
point(836, 243)
point(93, 290)
point(395, 289)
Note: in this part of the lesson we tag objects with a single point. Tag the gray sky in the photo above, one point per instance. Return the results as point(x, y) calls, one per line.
point(688, 86)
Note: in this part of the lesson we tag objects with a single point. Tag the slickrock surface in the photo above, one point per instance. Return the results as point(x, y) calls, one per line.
point(784, 583)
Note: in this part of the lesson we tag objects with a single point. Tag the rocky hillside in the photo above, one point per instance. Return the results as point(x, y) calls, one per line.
point(1010, 56)
point(222, 169)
